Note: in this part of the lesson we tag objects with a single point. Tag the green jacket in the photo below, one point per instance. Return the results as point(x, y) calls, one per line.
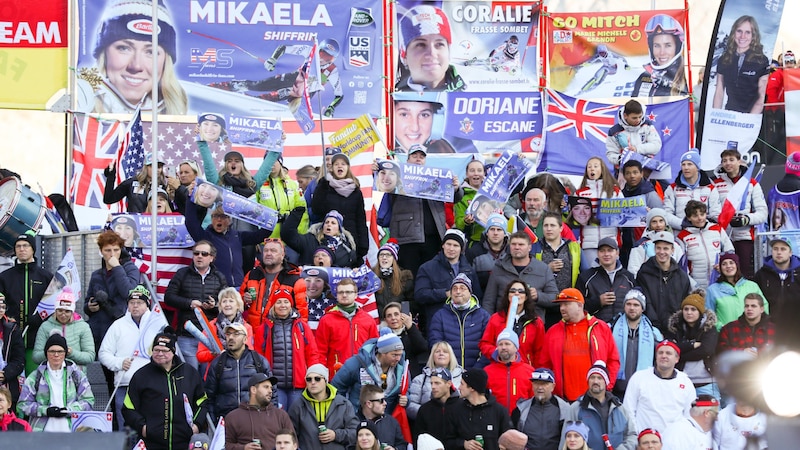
point(78, 335)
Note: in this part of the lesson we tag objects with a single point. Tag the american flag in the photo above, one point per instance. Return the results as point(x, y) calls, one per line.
point(316, 309)
point(94, 147)
point(130, 158)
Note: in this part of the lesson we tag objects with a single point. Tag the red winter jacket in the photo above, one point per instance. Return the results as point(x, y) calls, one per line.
point(304, 348)
point(288, 278)
point(205, 355)
point(531, 340)
point(602, 346)
point(340, 337)
point(510, 382)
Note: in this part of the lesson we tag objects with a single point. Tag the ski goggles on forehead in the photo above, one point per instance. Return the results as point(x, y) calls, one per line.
point(663, 24)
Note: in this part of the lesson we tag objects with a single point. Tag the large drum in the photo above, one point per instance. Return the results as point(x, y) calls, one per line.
point(21, 210)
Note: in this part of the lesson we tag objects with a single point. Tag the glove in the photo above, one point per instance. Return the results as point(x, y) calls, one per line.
point(299, 210)
point(740, 221)
point(55, 411)
point(329, 111)
point(270, 64)
point(101, 298)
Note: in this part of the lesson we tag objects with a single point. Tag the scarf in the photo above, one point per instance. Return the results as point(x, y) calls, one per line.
point(343, 187)
point(387, 271)
point(222, 322)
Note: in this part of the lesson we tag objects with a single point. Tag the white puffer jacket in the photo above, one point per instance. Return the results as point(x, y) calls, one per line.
point(756, 204)
point(702, 247)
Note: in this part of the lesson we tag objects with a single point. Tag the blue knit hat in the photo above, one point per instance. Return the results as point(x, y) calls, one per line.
point(578, 427)
point(463, 279)
point(497, 220)
point(693, 156)
point(388, 341)
point(508, 335)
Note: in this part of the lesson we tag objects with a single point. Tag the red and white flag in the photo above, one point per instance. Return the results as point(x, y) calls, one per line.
point(736, 196)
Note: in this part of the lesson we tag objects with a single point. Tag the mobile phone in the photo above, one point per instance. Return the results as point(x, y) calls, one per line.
point(405, 308)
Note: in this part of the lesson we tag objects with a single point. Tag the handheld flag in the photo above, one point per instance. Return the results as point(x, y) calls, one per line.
point(736, 197)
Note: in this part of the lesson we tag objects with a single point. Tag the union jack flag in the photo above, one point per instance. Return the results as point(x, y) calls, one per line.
point(94, 147)
point(576, 130)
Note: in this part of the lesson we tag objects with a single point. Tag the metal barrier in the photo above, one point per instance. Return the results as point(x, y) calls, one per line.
point(762, 249)
point(84, 248)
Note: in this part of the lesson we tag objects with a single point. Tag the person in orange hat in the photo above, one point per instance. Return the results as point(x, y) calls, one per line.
point(574, 343)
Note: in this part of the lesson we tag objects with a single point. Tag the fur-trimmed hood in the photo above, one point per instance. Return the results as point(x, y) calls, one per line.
point(349, 239)
point(707, 322)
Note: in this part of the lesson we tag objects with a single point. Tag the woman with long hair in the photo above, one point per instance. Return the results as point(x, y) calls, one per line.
point(182, 184)
point(694, 329)
point(135, 189)
point(340, 190)
point(742, 70)
point(419, 393)
point(123, 75)
point(726, 296)
point(527, 325)
point(288, 343)
point(397, 284)
point(664, 74)
point(163, 204)
point(231, 308)
point(597, 182)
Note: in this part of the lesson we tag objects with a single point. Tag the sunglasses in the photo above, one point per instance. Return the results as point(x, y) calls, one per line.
point(516, 291)
point(314, 379)
point(201, 253)
point(379, 400)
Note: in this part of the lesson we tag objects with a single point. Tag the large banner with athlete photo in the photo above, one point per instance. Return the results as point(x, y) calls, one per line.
point(414, 180)
point(259, 132)
point(617, 54)
point(608, 212)
point(243, 58)
point(736, 79)
point(210, 196)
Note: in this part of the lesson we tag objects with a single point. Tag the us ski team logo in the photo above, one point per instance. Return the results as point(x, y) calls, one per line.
point(360, 51)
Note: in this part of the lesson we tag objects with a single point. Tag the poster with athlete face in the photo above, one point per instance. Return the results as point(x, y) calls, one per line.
point(618, 54)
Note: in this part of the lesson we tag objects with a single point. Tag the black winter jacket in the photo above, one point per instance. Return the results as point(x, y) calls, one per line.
point(351, 208)
point(187, 285)
point(595, 282)
point(306, 244)
point(465, 421)
point(24, 285)
point(431, 418)
point(228, 389)
point(155, 399)
point(664, 290)
point(13, 354)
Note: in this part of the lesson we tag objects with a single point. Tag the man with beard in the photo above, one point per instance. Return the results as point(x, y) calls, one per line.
point(274, 273)
point(256, 419)
point(603, 412)
point(508, 374)
point(483, 254)
point(636, 339)
point(541, 416)
point(226, 372)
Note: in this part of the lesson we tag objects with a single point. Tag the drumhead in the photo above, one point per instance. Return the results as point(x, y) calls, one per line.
point(9, 197)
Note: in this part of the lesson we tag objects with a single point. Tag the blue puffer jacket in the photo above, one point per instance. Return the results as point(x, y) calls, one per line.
point(620, 427)
point(462, 329)
point(348, 379)
point(228, 389)
point(433, 281)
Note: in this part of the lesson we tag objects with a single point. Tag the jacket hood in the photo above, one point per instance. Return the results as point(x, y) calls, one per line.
point(703, 179)
point(473, 304)
point(707, 321)
point(719, 173)
point(630, 128)
point(331, 390)
point(794, 264)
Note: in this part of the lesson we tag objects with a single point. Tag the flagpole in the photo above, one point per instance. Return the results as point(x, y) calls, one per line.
point(319, 102)
point(154, 144)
